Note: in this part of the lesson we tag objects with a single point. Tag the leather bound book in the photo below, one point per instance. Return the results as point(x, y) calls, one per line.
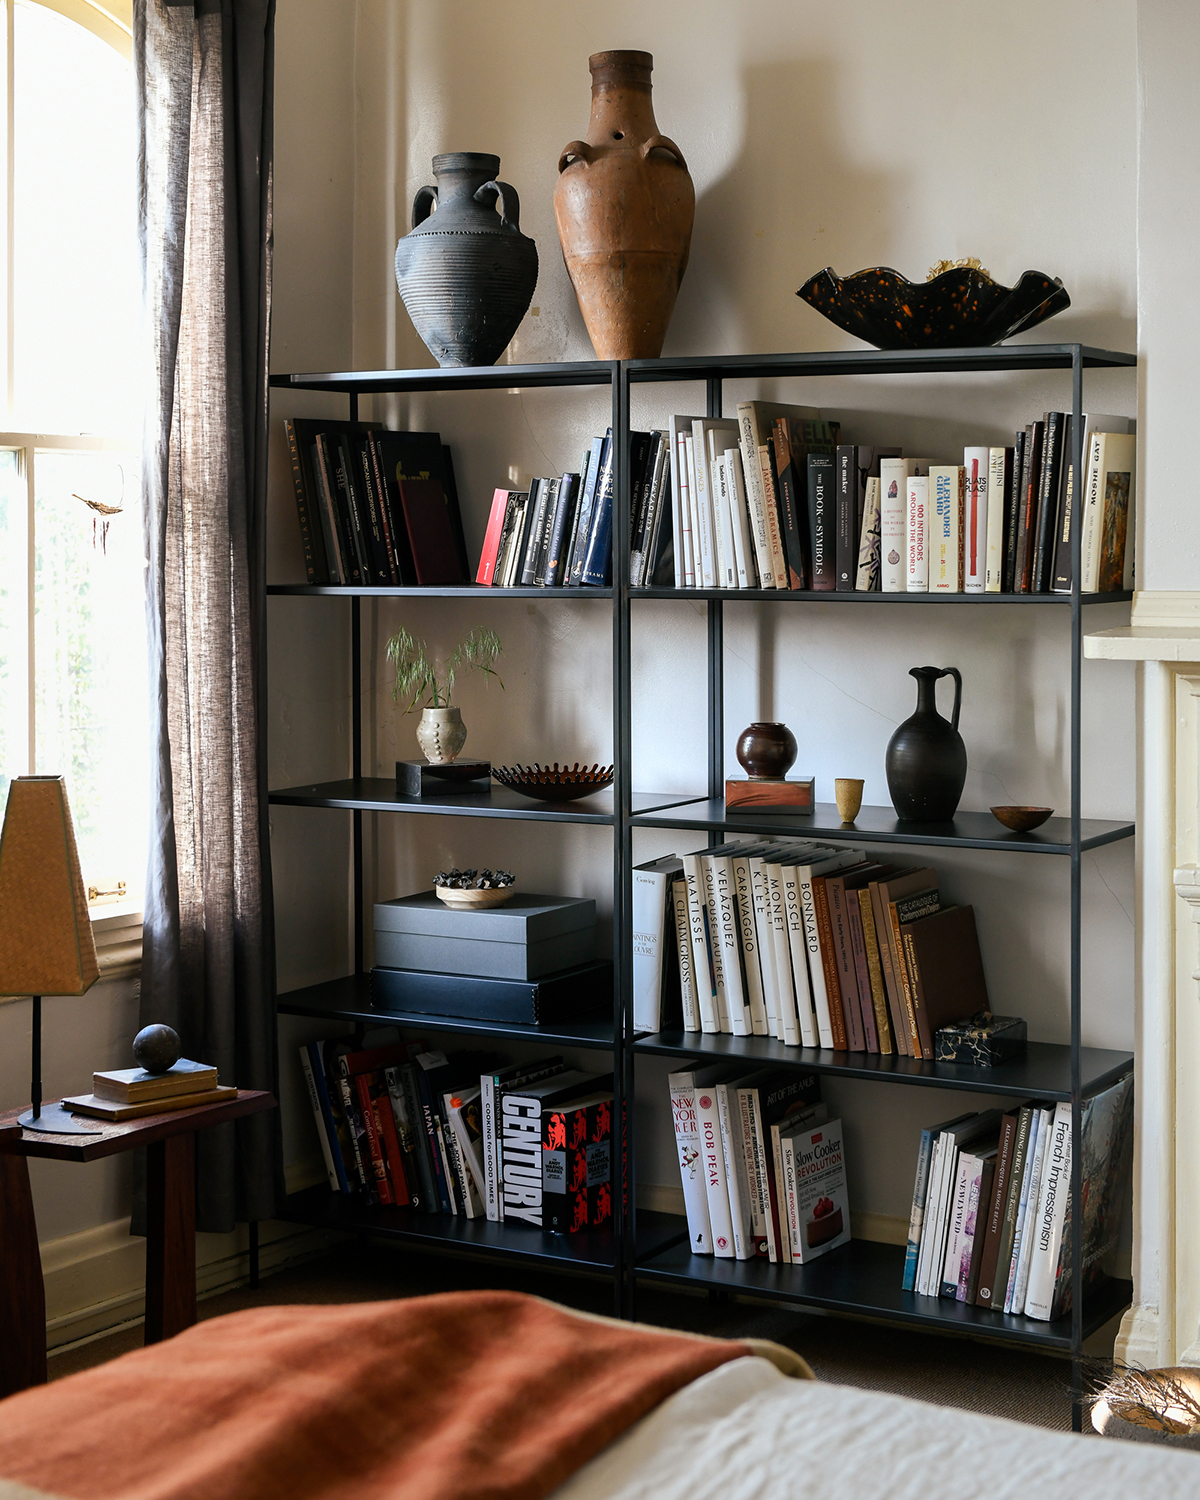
point(946, 969)
point(883, 894)
point(833, 989)
point(430, 533)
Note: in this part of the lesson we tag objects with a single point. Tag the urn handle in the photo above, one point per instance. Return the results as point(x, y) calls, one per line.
point(423, 204)
point(503, 195)
point(573, 152)
point(957, 675)
point(662, 143)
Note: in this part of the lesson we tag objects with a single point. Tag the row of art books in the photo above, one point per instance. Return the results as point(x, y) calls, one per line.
point(991, 1211)
point(762, 1165)
point(402, 1124)
point(377, 508)
point(558, 532)
point(816, 945)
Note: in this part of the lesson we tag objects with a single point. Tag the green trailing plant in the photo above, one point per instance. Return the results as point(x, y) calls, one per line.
point(417, 677)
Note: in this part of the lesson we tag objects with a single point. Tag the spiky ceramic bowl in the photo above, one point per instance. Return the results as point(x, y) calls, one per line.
point(554, 783)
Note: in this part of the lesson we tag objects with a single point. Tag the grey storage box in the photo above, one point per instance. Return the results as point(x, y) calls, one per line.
point(525, 938)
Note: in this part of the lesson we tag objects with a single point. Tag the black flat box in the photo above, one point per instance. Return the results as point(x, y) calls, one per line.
point(419, 778)
point(581, 994)
point(985, 1041)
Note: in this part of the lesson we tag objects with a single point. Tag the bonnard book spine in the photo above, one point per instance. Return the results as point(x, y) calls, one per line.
point(793, 911)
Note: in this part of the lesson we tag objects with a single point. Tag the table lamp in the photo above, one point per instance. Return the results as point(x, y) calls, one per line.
point(46, 945)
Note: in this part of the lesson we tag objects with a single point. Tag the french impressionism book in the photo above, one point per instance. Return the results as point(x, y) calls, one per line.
point(817, 1193)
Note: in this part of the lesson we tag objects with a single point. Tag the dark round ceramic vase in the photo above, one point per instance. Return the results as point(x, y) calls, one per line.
point(926, 758)
point(466, 273)
point(766, 751)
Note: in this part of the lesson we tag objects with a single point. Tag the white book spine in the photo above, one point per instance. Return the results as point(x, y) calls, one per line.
point(789, 1194)
point(687, 969)
point(715, 1184)
point(789, 1020)
point(1051, 1217)
point(916, 535)
point(678, 530)
point(728, 930)
point(743, 893)
point(1093, 514)
point(716, 953)
point(994, 570)
point(771, 508)
point(706, 552)
point(1031, 1154)
point(930, 1216)
point(867, 578)
point(975, 469)
point(785, 1234)
point(816, 972)
point(960, 1191)
point(649, 926)
point(755, 502)
point(943, 504)
point(798, 952)
point(743, 544)
point(314, 1099)
point(729, 1116)
point(761, 1228)
point(937, 1245)
point(766, 945)
point(893, 518)
point(1030, 1235)
point(723, 520)
point(691, 1167)
point(491, 1174)
point(683, 498)
point(701, 954)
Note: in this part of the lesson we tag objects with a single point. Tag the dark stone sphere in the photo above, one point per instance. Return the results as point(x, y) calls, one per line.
point(156, 1048)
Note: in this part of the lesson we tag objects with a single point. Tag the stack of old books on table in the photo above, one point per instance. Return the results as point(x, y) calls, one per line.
point(130, 1093)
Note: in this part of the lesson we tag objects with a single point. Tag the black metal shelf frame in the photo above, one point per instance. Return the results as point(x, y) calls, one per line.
point(859, 1288)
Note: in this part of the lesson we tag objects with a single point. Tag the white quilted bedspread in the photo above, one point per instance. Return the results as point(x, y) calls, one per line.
point(745, 1432)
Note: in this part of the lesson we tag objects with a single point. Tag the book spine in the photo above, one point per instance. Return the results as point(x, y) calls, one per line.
point(465, 1164)
point(995, 1216)
point(743, 905)
point(755, 497)
point(447, 1166)
point(1012, 512)
point(766, 468)
point(1051, 1217)
point(386, 513)
point(641, 495)
point(1011, 1210)
point(761, 1229)
point(943, 521)
point(328, 1148)
point(521, 1159)
point(429, 1118)
point(1089, 556)
point(687, 969)
point(975, 477)
point(893, 524)
point(487, 1120)
point(795, 1229)
point(743, 541)
point(1049, 497)
point(332, 481)
point(311, 539)
point(716, 955)
point(573, 567)
point(404, 1118)
point(779, 1178)
point(816, 968)
point(596, 571)
point(786, 1010)
point(906, 954)
point(649, 927)
point(701, 956)
point(917, 1213)
point(793, 912)
point(380, 542)
point(691, 1166)
point(960, 1189)
point(1027, 522)
point(660, 512)
point(358, 1140)
point(867, 578)
point(355, 504)
point(846, 548)
point(1027, 1178)
point(828, 963)
point(729, 1117)
point(793, 498)
point(485, 573)
point(822, 520)
point(916, 580)
point(929, 1216)
point(1029, 1230)
point(999, 465)
point(887, 962)
point(681, 524)
point(862, 976)
point(326, 515)
point(548, 519)
point(389, 1141)
point(835, 896)
point(879, 1003)
point(723, 523)
point(715, 1184)
point(700, 475)
point(968, 1281)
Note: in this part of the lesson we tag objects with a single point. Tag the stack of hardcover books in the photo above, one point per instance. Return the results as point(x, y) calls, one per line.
point(130, 1093)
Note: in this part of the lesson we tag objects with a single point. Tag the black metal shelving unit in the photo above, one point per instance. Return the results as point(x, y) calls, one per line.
point(862, 1278)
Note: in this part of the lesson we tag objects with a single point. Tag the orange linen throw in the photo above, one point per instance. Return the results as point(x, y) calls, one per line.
point(466, 1396)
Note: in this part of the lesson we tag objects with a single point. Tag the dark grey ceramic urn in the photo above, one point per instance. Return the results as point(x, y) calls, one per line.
point(465, 270)
point(926, 759)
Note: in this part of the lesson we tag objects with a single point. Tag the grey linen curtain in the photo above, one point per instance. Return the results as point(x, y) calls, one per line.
point(204, 81)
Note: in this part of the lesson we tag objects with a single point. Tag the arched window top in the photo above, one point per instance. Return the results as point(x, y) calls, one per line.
point(110, 20)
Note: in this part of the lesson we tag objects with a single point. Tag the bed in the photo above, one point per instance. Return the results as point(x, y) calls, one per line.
point(497, 1396)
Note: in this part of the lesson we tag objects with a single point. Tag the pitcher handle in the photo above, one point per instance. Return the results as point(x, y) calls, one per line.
point(423, 204)
point(957, 675)
point(505, 198)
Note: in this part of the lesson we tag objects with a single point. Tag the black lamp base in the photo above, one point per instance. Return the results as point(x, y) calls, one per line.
point(55, 1120)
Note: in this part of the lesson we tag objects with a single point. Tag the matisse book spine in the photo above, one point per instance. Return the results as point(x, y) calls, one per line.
point(822, 520)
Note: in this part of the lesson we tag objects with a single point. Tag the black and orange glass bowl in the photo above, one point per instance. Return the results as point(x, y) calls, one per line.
point(554, 783)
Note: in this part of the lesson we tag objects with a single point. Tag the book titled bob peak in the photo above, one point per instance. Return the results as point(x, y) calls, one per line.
point(815, 1187)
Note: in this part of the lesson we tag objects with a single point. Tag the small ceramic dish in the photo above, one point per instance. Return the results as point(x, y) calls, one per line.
point(474, 900)
point(1022, 819)
point(552, 783)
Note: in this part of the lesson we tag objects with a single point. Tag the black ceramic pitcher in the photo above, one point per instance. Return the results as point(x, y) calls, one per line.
point(926, 758)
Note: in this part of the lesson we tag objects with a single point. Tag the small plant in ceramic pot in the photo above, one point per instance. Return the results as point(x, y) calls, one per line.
point(441, 733)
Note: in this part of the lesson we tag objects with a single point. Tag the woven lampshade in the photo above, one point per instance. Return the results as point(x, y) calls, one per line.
point(46, 945)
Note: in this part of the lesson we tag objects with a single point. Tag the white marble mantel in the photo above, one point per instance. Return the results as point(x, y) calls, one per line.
point(1163, 1325)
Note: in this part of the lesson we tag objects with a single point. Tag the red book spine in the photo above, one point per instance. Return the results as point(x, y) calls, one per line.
point(391, 1147)
point(599, 1163)
point(367, 1107)
point(491, 539)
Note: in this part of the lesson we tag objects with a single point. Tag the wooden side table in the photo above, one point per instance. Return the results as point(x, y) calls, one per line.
point(170, 1223)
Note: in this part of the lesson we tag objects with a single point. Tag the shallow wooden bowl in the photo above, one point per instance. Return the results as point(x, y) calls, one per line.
point(1022, 819)
point(552, 783)
point(474, 900)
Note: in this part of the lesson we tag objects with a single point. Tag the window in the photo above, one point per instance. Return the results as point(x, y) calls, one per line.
point(73, 691)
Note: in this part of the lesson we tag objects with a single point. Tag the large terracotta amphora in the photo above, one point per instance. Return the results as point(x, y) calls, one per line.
point(465, 271)
point(624, 204)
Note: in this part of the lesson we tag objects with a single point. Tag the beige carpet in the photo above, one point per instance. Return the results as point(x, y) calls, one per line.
point(951, 1372)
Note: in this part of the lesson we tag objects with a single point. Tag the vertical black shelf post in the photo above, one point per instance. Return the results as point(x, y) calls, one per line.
point(356, 768)
point(716, 663)
point(624, 1207)
point(1077, 507)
